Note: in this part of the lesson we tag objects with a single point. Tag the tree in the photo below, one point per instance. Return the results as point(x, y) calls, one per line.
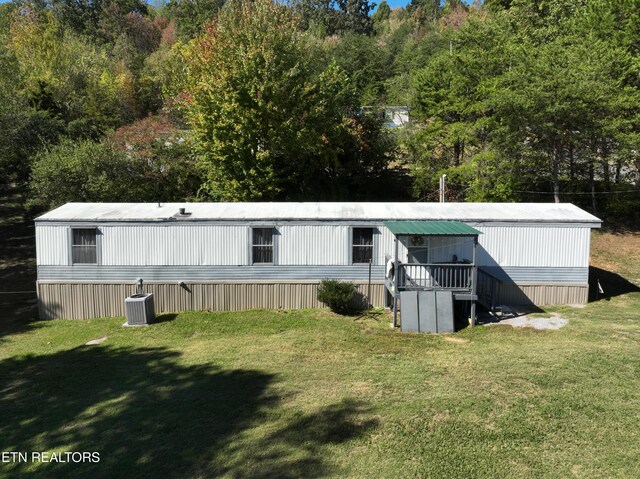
point(509, 109)
point(160, 77)
point(382, 13)
point(191, 15)
point(63, 74)
point(451, 107)
point(162, 153)
point(93, 18)
point(563, 101)
point(27, 123)
point(336, 16)
point(149, 160)
point(426, 12)
point(268, 122)
point(353, 16)
point(366, 62)
point(84, 171)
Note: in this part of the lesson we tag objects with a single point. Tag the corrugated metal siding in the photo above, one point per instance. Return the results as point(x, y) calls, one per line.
point(308, 245)
point(180, 244)
point(541, 295)
point(204, 273)
point(52, 245)
point(529, 246)
point(284, 273)
point(538, 274)
point(387, 245)
point(313, 245)
point(90, 300)
point(521, 246)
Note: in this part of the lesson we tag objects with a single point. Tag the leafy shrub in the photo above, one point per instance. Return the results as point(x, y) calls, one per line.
point(148, 160)
point(337, 295)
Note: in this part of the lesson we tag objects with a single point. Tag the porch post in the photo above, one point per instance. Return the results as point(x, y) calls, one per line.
point(396, 273)
point(474, 280)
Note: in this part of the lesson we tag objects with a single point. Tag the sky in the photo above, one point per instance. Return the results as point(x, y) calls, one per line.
point(397, 3)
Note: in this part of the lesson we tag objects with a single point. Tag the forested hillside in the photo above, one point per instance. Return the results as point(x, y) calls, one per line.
point(238, 100)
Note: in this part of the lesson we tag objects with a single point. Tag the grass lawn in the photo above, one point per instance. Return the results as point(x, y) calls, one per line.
point(266, 394)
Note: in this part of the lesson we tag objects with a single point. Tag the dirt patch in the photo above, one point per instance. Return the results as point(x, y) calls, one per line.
point(453, 339)
point(555, 321)
point(617, 253)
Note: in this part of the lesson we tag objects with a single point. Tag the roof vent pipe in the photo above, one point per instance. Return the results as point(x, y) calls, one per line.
point(182, 211)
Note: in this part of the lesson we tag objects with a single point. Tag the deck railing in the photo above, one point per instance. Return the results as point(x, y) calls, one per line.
point(435, 275)
point(488, 285)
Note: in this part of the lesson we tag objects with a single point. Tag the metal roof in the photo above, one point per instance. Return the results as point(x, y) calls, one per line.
point(466, 212)
point(431, 228)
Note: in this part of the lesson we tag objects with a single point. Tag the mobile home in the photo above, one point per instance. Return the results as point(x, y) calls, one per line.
point(235, 256)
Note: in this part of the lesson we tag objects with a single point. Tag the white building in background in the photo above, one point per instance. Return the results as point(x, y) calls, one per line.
point(392, 116)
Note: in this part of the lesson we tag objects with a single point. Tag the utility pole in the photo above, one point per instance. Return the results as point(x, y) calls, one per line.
point(443, 185)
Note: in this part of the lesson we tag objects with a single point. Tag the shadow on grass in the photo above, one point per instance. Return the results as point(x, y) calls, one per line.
point(18, 312)
point(165, 317)
point(612, 284)
point(149, 416)
point(18, 304)
point(297, 450)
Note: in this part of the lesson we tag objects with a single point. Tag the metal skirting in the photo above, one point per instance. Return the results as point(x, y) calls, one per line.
point(75, 300)
point(527, 275)
point(78, 300)
point(541, 294)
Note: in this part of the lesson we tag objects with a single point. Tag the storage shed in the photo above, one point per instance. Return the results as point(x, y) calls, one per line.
point(235, 256)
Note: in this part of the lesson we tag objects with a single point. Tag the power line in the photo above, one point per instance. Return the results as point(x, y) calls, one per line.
point(578, 192)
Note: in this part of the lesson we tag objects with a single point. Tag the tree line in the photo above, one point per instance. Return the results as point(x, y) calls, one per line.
point(239, 100)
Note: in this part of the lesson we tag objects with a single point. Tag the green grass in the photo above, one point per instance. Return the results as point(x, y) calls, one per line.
point(265, 394)
point(311, 394)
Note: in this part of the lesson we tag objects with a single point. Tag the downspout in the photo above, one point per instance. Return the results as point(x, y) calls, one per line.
point(395, 284)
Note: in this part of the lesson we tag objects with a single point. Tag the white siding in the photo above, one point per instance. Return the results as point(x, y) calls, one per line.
point(174, 245)
point(534, 246)
point(314, 245)
point(388, 246)
point(509, 246)
point(52, 245)
point(196, 245)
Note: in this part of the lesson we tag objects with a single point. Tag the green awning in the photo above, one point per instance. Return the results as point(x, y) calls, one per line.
point(431, 228)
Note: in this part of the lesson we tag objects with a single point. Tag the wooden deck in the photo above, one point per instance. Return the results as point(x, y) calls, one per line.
point(455, 277)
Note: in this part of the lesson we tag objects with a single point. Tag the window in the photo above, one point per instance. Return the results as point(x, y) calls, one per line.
point(362, 246)
point(262, 246)
point(83, 246)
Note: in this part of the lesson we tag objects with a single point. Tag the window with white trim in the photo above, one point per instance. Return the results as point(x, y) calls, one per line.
point(84, 246)
point(262, 245)
point(362, 245)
